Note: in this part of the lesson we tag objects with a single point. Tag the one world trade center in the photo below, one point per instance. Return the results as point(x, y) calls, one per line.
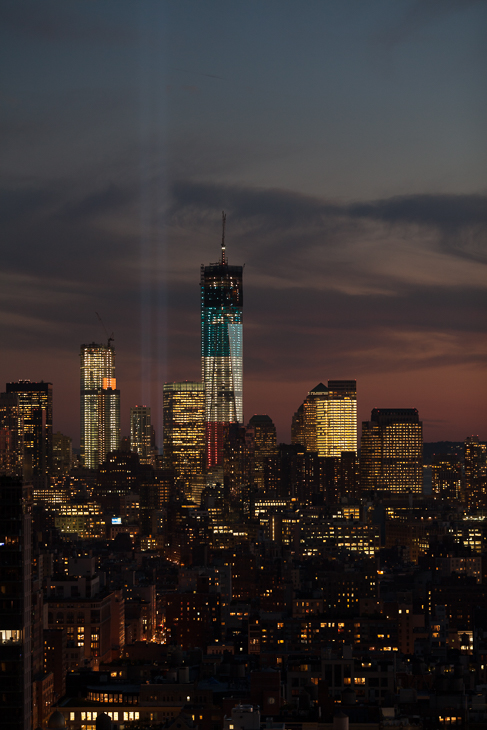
point(221, 351)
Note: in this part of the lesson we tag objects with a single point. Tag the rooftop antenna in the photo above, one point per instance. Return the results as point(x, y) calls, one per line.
point(109, 338)
point(224, 218)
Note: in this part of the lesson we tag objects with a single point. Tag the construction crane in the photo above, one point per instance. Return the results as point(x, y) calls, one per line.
point(109, 338)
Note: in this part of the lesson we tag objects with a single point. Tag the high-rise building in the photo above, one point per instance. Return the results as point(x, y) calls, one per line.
point(11, 436)
point(391, 453)
point(297, 427)
point(221, 351)
point(326, 423)
point(475, 462)
point(62, 453)
point(342, 417)
point(184, 431)
point(261, 435)
point(370, 456)
point(15, 606)
point(100, 404)
point(446, 477)
point(35, 405)
point(141, 433)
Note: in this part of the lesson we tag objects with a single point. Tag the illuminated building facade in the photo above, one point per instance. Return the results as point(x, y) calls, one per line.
point(446, 477)
point(35, 405)
point(11, 435)
point(475, 461)
point(141, 433)
point(261, 433)
point(341, 418)
point(62, 453)
point(370, 456)
point(326, 423)
point(184, 430)
point(100, 404)
point(84, 519)
point(391, 452)
point(221, 351)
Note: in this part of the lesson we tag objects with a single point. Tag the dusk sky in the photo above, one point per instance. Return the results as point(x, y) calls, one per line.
point(346, 142)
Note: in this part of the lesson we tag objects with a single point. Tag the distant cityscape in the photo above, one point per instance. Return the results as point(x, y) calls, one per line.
point(212, 578)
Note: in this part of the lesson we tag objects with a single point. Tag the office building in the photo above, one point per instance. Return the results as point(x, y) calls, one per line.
point(35, 405)
point(391, 454)
point(221, 351)
point(341, 430)
point(326, 423)
point(62, 453)
point(100, 404)
point(15, 606)
point(446, 477)
point(475, 462)
point(261, 437)
point(11, 435)
point(370, 456)
point(184, 431)
point(297, 427)
point(141, 433)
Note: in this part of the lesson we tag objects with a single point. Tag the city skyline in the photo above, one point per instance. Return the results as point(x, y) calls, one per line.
point(347, 146)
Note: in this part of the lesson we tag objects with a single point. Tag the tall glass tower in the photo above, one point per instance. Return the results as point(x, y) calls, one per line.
point(100, 404)
point(221, 351)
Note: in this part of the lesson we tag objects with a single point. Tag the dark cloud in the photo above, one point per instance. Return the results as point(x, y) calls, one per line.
point(264, 210)
point(418, 15)
point(52, 20)
point(18, 203)
point(447, 212)
point(461, 219)
point(60, 265)
point(106, 201)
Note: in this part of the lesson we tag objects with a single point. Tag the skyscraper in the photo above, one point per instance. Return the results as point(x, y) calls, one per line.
point(475, 460)
point(141, 433)
point(391, 454)
point(446, 477)
point(184, 431)
point(11, 436)
point(326, 423)
point(35, 406)
point(342, 417)
point(261, 435)
point(100, 404)
point(221, 351)
point(62, 453)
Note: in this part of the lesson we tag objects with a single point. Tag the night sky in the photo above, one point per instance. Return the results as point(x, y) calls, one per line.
point(346, 141)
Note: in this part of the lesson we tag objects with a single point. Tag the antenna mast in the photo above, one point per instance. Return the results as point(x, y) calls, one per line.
point(110, 339)
point(224, 218)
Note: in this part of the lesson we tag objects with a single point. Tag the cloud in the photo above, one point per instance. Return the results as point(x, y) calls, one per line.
point(441, 211)
point(52, 20)
point(363, 290)
point(302, 221)
point(60, 232)
point(418, 15)
point(109, 200)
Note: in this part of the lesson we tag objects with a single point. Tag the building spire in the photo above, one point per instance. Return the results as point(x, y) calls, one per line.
point(224, 218)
